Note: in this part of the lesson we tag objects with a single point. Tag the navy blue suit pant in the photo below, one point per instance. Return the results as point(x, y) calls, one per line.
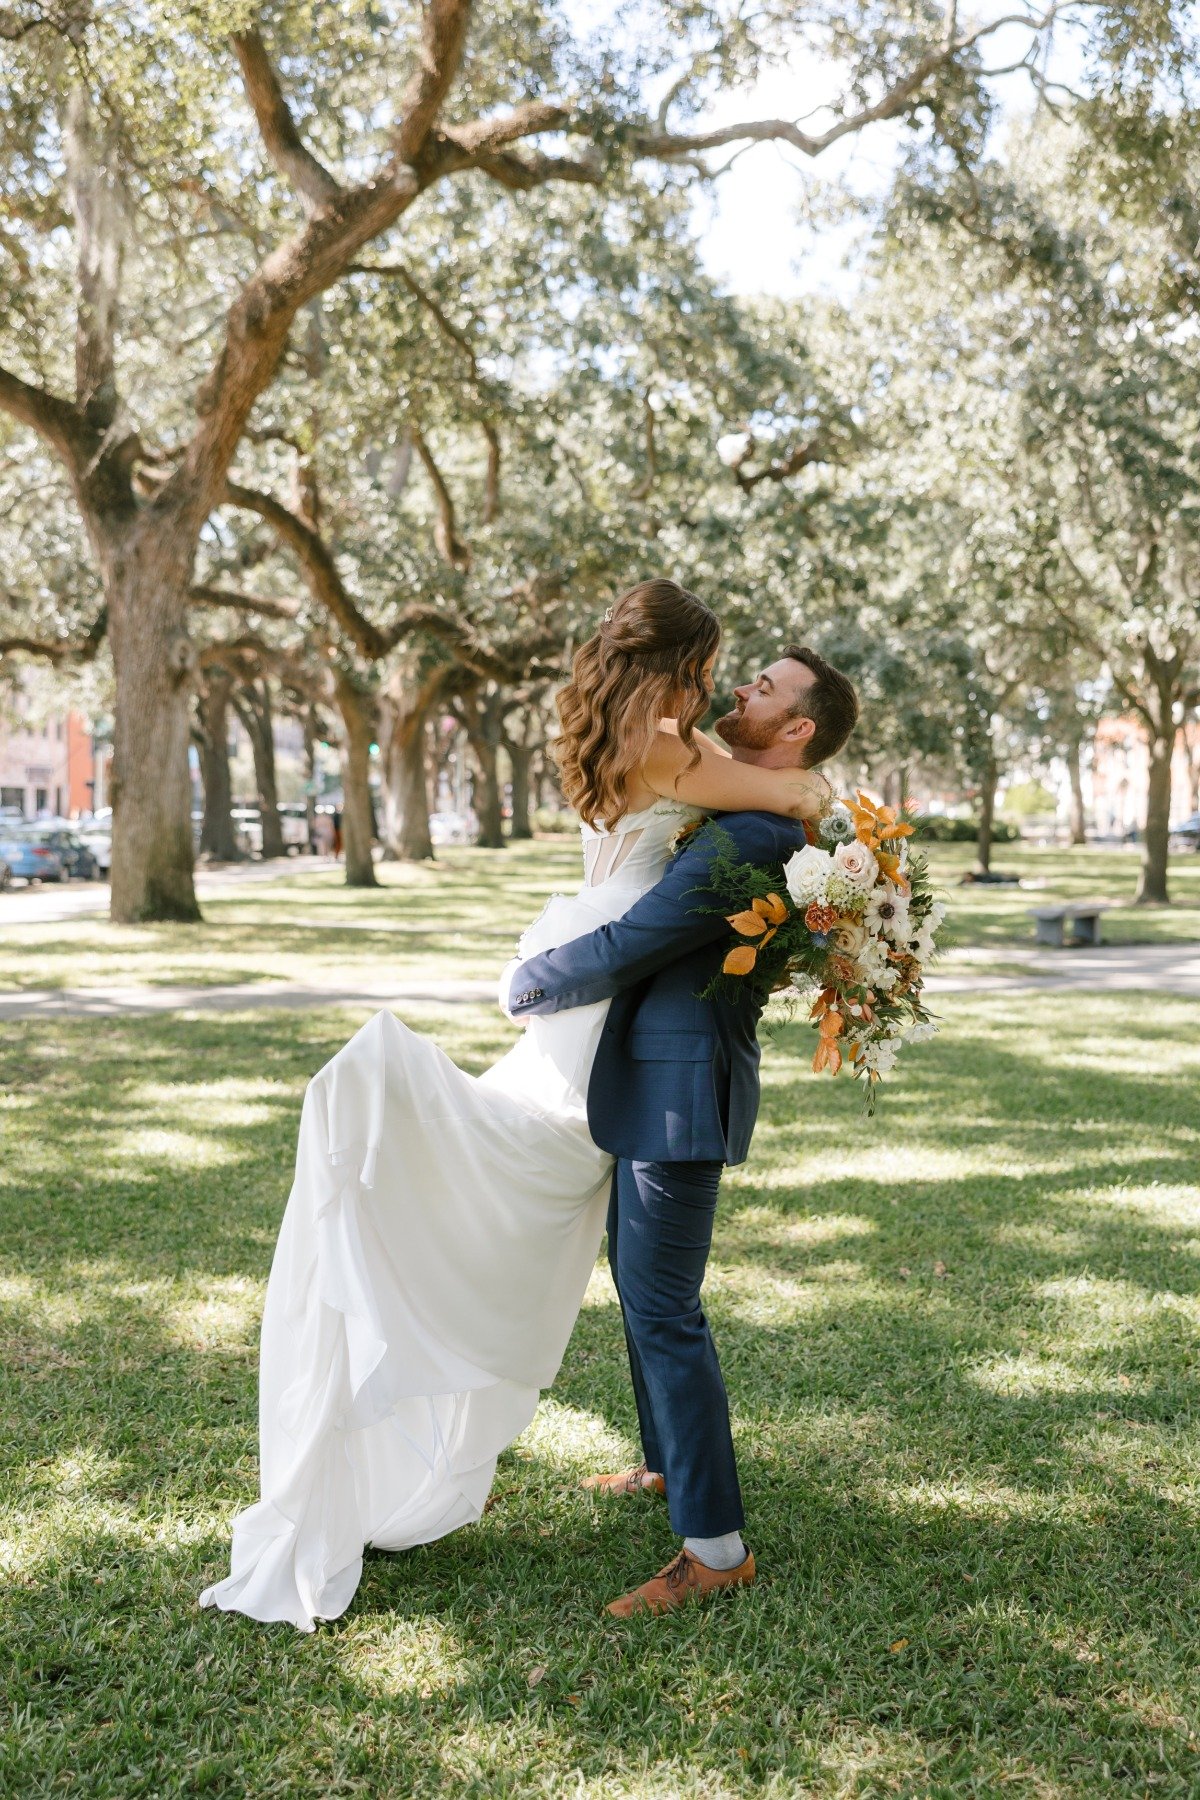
point(660, 1224)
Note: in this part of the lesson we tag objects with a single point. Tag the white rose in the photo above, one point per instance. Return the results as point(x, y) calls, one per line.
point(857, 863)
point(806, 874)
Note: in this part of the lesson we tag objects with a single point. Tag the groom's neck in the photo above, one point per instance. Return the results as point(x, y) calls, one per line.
point(775, 756)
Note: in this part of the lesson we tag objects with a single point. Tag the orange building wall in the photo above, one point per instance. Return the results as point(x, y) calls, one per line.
point(79, 765)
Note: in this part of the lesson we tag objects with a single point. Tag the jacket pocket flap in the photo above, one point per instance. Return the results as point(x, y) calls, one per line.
point(670, 1046)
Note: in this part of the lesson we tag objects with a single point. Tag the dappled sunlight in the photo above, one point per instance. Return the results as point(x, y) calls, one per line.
point(753, 1295)
point(159, 1144)
point(226, 1317)
point(1157, 1200)
point(600, 1291)
point(1098, 1307)
point(223, 1090)
point(827, 1228)
point(987, 1498)
point(572, 1438)
point(416, 1656)
point(924, 1322)
point(1027, 1373)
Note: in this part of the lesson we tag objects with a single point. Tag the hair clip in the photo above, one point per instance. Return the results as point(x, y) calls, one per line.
point(608, 616)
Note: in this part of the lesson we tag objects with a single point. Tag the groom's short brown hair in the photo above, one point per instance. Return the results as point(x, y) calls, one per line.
point(829, 700)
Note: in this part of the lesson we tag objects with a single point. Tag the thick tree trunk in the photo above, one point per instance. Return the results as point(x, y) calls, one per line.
point(987, 815)
point(216, 832)
point(254, 710)
point(1076, 820)
point(358, 717)
point(1152, 882)
point(404, 742)
point(521, 758)
point(147, 575)
point(310, 765)
point(489, 806)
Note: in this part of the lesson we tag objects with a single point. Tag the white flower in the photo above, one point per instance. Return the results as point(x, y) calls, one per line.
point(887, 913)
point(837, 825)
point(857, 863)
point(806, 874)
point(921, 1033)
point(881, 1055)
point(841, 892)
point(922, 945)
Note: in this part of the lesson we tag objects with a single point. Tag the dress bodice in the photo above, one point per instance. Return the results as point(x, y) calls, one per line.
point(638, 847)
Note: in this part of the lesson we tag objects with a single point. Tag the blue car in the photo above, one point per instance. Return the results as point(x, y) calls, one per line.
point(28, 858)
point(78, 861)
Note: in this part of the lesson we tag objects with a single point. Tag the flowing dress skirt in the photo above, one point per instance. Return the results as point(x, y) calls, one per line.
point(431, 1263)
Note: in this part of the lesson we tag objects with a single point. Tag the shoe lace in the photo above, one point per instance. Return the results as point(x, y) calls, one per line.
point(635, 1478)
point(676, 1576)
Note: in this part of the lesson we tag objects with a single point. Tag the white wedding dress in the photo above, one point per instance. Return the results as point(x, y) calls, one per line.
point(432, 1260)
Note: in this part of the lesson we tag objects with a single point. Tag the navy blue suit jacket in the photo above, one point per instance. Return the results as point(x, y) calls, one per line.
point(675, 1077)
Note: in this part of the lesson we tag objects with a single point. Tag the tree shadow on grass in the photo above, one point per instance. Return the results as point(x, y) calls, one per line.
point(949, 1464)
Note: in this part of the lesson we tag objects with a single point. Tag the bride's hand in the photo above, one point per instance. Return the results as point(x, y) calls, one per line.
point(805, 792)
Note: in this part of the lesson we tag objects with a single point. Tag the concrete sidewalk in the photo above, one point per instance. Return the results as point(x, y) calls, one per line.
point(1110, 969)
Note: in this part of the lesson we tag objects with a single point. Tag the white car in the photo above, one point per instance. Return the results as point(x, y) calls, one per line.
point(293, 817)
point(96, 833)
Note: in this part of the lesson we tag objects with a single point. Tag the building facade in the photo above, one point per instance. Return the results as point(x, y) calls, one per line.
point(47, 767)
point(1121, 769)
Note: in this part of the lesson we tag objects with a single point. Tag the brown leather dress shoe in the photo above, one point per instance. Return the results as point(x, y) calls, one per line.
point(683, 1580)
point(630, 1481)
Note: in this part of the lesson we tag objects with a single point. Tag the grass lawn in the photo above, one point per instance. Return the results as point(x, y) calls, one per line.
point(460, 919)
point(961, 1342)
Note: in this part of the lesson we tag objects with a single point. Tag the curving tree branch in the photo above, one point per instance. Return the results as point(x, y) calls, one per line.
point(62, 650)
point(310, 178)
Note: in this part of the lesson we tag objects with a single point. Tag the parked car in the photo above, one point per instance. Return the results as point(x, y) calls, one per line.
point(28, 858)
point(98, 838)
point(293, 817)
point(79, 861)
point(5, 874)
point(247, 829)
point(1187, 832)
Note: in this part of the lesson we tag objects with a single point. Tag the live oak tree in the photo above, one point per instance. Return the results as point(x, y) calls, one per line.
point(1077, 374)
point(161, 184)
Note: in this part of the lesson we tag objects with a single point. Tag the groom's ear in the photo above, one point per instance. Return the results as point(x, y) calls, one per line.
point(798, 730)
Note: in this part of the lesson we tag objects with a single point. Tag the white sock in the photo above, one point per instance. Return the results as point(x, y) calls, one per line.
point(717, 1553)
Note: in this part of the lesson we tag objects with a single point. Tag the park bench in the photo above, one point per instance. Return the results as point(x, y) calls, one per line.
point(1083, 916)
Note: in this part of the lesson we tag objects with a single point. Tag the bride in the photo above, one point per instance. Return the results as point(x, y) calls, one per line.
point(441, 1228)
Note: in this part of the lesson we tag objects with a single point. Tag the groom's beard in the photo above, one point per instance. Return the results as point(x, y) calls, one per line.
point(740, 733)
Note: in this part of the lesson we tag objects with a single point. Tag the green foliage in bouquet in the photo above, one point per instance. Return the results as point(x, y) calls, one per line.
point(850, 920)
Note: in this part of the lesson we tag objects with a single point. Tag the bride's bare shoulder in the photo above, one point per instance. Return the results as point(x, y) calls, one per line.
point(668, 755)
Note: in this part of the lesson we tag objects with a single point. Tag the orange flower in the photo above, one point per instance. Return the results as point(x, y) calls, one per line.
point(820, 918)
point(889, 862)
point(875, 824)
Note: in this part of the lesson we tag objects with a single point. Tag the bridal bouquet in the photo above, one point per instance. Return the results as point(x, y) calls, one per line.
point(855, 933)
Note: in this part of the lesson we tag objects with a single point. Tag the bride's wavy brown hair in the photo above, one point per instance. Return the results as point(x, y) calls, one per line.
point(645, 663)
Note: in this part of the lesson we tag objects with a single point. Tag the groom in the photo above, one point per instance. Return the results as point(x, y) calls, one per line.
point(673, 1096)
